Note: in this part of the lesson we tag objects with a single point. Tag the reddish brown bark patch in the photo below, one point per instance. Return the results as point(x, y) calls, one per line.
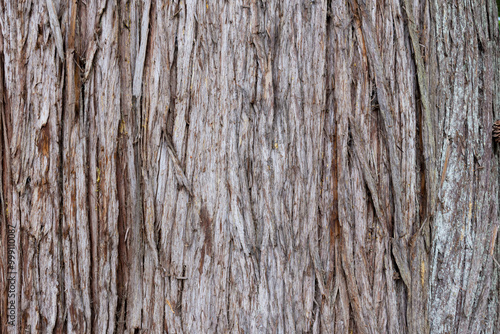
point(44, 140)
point(206, 224)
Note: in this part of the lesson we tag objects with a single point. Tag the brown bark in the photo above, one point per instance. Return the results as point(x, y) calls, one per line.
point(249, 166)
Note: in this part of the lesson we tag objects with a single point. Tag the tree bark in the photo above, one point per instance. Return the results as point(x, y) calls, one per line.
point(249, 166)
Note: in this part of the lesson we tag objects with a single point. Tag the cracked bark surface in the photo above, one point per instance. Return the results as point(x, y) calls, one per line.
point(250, 166)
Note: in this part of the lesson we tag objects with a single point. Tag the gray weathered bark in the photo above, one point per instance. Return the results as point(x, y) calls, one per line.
point(249, 166)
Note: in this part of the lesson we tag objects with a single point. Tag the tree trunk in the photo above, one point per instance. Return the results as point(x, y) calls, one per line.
point(249, 166)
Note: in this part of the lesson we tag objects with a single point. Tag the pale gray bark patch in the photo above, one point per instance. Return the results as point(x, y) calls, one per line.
point(462, 270)
point(56, 28)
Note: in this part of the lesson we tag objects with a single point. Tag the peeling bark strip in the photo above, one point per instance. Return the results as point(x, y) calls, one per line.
point(249, 166)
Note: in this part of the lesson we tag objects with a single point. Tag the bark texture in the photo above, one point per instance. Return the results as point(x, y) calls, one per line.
point(250, 166)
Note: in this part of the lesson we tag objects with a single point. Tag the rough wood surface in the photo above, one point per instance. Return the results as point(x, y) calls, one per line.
point(250, 166)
